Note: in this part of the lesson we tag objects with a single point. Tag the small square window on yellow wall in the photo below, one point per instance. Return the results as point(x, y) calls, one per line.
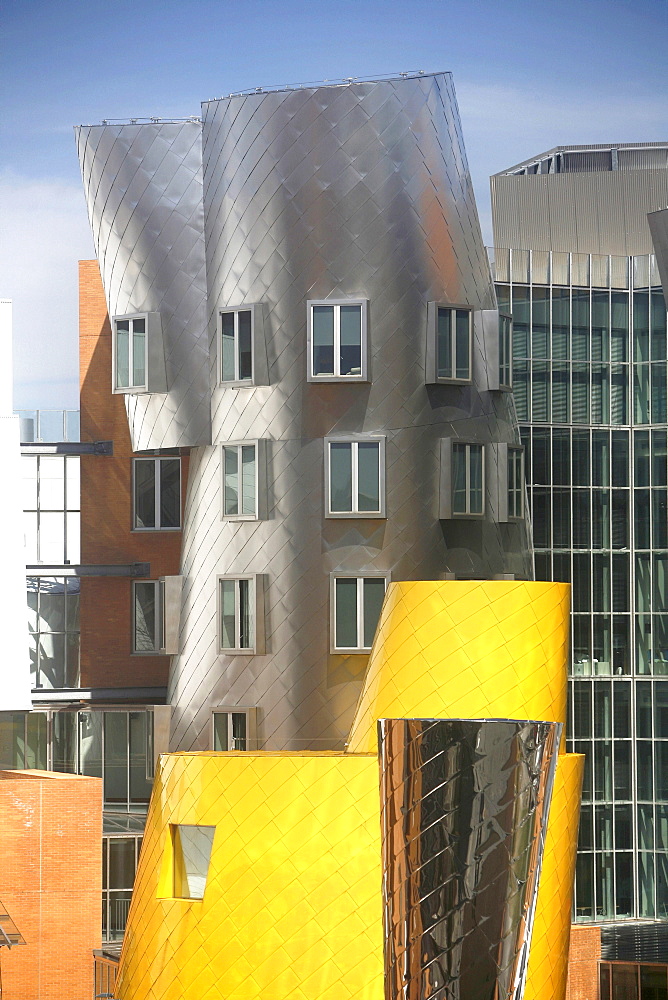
point(186, 862)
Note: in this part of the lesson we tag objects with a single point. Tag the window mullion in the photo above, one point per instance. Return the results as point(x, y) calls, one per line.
point(156, 492)
point(354, 463)
point(360, 612)
point(236, 346)
point(337, 341)
point(467, 477)
point(237, 614)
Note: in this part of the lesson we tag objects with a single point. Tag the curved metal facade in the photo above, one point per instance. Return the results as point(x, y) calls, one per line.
point(143, 186)
point(463, 817)
point(337, 192)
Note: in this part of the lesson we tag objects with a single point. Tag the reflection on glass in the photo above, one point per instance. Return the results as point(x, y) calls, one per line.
point(192, 855)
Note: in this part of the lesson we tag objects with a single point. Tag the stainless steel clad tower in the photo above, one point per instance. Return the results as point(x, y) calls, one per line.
point(362, 424)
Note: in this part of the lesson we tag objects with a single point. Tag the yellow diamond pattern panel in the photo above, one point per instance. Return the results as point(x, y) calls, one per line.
point(292, 903)
point(466, 649)
point(548, 958)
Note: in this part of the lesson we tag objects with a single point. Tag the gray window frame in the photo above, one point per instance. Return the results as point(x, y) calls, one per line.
point(260, 479)
point(256, 611)
point(355, 440)
point(249, 712)
point(157, 460)
point(360, 576)
point(364, 346)
point(132, 388)
point(431, 364)
point(255, 327)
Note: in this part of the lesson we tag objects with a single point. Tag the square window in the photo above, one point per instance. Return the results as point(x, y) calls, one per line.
point(505, 351)
point(355, 477)
point(243, 480)
point(449, 340)
point(515, 483)
point(234, 729)
point(240, 614)
point(192, 856)
point(337, 341)
point(236, 345)
point(356, 602)
point(468, 479)
point(157, 494)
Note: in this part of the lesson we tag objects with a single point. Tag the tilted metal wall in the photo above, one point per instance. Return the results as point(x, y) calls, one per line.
point(357, 191)
point(143, 187)
point(598, 212)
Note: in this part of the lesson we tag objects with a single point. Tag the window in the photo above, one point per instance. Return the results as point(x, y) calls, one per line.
point(148, 623)
point(505, 351)
point(241, 486)
point(53, 623)
point(236, 345)
point(355, 477)
point(356, 602)
point(515, 482)
point(234, 728)
point(467, 478)
point(130, 350)
point(157, 494)
point(449, 343)
point(337, 340)
point(192, 855)
point(241, 614)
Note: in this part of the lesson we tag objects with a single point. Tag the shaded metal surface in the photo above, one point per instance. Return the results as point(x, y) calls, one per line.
point(363, 192)
point(658, 224)
point(464, 806)
point(143, 187)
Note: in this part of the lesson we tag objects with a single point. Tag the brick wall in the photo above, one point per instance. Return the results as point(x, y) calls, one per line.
point(50, 882)
point(583, 959)
point(106, 511)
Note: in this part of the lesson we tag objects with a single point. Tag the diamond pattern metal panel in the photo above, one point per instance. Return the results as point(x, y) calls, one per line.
point(490, 649)
point(360, 191)
point(292, 907)
point(143, 186)
point(464, 807)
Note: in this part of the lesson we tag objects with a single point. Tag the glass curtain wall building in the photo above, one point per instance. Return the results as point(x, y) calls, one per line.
point(589, 378)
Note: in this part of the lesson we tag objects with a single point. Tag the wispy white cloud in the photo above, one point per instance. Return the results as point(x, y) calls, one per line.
point(44, 231)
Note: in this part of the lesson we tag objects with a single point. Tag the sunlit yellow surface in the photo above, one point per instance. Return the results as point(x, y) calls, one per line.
point(466, 649)
point(292, 905)
point(548, 958)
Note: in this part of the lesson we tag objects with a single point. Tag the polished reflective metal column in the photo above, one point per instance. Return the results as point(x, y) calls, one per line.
point(464, 806)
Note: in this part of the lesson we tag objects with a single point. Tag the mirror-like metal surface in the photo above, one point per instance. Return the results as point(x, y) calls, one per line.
point(464, 807)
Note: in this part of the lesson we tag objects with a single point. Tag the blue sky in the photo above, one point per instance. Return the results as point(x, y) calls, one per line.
point(528, 75)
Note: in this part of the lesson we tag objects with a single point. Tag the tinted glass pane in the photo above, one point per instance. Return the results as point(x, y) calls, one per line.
point(323, 340)
point(640, 326)
point(144, 493)
point(145, 617)
point(373, 595)
point(476, 503)
point(444, 366)
point(345, 618)
point(584, 887)
point(351, 340)
point(246, 636)
point(231, 474)
point(227, 348)
point(140, 785)
point(238, 731)
point(658, 326)
point(115, 758)
point(227, 604)
point(64, 741)
point(462, 360)
point(121, 862)
point(459, 478)
point(139, 352)
point(220, 731)
point(245, 346)
point(561, 312)
point(520, 313)
point(368, 476)
point(340, 477)
point(653, 982)
point(248, 479)
point(122, 354)
point(540, 313)
point(580, 334)
point(624, 982)
point(170, 492)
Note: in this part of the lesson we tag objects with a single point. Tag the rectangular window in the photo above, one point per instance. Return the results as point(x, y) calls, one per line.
point(505, 351)
point(468, 479)
point(192, 855)
point(337, 338)
point(148, 625)
point(240, 480)
point(130, 352)
point(234, 729)
point(355, 477)
point(236, 346)
point(356, 603)
point(240, 614)
point(515, 482)
point(157, 493)
point(452, 341)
